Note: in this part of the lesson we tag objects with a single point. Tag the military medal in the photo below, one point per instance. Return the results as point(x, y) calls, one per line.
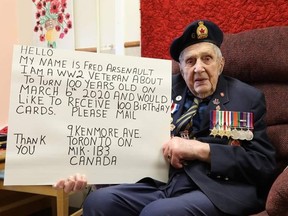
point(228, 132)
point(214, 132)
point(235, 134)
point(249, 126)
point(237, 125)
point(225, 123)
point(242, 124)
point(228, 124)
point(220, 122)
point(213, 123)
point(249, 135)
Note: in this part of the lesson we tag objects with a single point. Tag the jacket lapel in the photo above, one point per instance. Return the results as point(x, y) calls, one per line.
point(178, 95)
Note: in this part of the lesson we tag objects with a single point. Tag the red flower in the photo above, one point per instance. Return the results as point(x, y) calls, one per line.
point(58, 28)
point(39, 5)
point(36, 29)
point(42, 37)
point(54, 7)
point(37, 15)
point(60, 18)
point(61, 36)
point(63, 3)
point(66, 30)
point(67, 16)
point(69, 24)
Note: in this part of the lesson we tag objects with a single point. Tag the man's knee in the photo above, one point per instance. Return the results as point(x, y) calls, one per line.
point(194, 203)
point(156, 208)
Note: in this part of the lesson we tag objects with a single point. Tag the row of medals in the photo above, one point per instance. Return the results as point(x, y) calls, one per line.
point(234, 133)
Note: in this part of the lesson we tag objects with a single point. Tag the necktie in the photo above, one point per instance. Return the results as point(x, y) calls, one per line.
point(185, 121)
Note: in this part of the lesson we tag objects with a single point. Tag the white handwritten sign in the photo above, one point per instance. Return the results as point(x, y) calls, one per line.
point(101, 115)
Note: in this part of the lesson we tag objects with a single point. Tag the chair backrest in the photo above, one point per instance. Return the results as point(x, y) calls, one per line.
point(260, 57)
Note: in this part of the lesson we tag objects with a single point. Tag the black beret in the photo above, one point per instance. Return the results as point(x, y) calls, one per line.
point(198, 31)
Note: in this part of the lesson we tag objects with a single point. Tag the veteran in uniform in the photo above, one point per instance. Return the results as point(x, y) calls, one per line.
point(222, 162)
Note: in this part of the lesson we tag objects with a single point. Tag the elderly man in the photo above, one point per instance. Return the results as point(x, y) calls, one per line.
point(221, 160)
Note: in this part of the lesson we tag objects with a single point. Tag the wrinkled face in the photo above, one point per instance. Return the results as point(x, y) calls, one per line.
point(200, 65)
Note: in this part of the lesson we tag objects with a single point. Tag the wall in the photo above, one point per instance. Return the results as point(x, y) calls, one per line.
point(91, 28)
point(8, 37)
point(163, 20)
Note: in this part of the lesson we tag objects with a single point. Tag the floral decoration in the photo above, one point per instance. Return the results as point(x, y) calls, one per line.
point(52, 20)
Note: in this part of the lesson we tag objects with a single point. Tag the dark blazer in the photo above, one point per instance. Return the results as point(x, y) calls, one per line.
point(239, 177)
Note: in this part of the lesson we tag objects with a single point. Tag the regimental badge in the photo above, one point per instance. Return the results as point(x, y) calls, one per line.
point(235, 143)
point(201, 31)
point(235, 125)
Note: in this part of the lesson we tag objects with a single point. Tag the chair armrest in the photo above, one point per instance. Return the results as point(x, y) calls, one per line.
point(277, 200)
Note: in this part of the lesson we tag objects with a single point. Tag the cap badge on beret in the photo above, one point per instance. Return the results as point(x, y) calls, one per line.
point(196, 32)
point(202, 30)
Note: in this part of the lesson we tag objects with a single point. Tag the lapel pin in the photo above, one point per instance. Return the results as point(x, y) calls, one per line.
point(178, 98)
point(174, 107)
point(216, 101)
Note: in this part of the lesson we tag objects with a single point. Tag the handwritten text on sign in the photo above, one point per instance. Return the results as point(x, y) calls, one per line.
point(77, 112)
